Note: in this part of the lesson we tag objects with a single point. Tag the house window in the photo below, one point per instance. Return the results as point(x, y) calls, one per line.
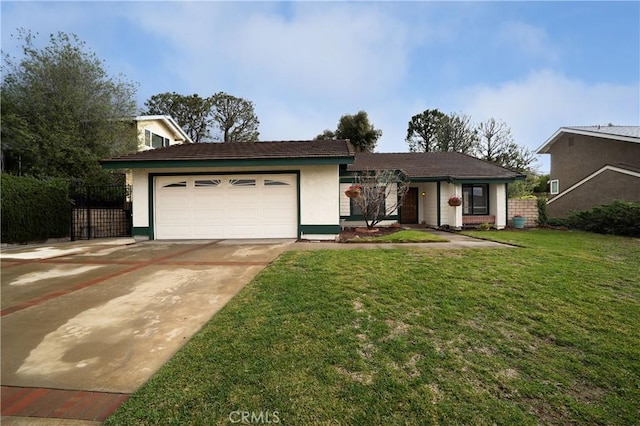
point(475, 199)
point(154, 140)
point(554, 186)
point(357, 211)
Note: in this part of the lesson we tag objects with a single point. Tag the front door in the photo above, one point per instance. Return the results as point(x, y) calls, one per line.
point(409, 209)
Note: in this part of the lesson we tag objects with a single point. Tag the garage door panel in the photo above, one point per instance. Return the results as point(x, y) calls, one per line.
point(230, 206)
point(212, 231)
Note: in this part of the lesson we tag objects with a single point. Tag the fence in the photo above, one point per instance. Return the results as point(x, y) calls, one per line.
point(527, 208)
point(100, 211)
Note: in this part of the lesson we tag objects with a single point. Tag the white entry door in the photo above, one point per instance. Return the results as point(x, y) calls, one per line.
point(229, 206)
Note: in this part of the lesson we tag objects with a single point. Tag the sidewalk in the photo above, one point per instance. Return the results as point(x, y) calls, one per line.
point(456, 241)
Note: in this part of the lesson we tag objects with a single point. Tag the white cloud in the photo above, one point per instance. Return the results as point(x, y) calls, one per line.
point(536, 106)
point(334, 50)
point(528, 40)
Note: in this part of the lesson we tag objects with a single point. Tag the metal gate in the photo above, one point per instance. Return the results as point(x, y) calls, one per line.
point(100, 211)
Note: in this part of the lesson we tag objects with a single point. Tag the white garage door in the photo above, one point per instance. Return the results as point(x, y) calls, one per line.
point(233, 206)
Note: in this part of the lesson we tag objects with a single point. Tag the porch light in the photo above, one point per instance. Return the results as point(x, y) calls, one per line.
point(424, 194)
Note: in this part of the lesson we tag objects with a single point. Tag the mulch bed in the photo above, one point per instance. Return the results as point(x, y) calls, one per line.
point(351, 233)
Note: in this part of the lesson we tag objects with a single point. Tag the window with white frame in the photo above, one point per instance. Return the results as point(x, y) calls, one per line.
point(554, 186)
point(154, 140)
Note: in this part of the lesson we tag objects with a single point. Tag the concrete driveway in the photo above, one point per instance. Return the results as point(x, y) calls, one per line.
point(104, 316)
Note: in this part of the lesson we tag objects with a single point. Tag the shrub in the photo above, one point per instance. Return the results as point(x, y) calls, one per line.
point(34, 210)
point(619, 218)
point(543, 219)
point(556, 221)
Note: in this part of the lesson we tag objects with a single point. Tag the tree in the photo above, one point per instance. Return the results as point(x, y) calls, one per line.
point(456, 134)
point(235, 118)
point(432, 130)
point(376, 194)
point(61, 112)
point(496, 145)
point(191, 112)
point(357, 129)
point(326, 135)
point(494, 138)
point(423, 130)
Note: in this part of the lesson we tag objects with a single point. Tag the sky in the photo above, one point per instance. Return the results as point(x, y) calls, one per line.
point(537, 66)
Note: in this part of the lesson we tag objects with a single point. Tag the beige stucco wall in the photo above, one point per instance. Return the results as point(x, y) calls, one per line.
point(319, 198)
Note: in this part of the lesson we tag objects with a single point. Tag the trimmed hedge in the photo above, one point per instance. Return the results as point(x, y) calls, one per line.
point(33, 209)
point(618, 218)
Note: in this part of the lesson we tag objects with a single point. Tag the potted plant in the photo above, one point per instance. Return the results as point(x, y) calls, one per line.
point(353, 191)
point(518, 221)
point(455, 200)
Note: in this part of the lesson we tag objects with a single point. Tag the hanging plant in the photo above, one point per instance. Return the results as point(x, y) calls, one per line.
point(353, 191)
point(455, 201)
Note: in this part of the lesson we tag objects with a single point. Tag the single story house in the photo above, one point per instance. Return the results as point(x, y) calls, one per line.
point(591, 166)
point(296, 189)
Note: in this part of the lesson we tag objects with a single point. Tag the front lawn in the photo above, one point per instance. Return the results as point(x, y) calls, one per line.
point(544, 334)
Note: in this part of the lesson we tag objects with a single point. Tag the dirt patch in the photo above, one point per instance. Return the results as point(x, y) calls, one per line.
point(350, 233)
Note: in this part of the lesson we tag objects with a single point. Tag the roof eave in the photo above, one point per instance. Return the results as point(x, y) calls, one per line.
point(237, 162)
point(545, 147)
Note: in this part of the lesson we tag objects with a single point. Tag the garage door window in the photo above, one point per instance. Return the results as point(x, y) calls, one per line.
point(179, 184)
point(207, 183)
point(271, 182)
point(242, 182)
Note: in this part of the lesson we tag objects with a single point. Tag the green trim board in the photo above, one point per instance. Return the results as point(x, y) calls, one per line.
point(488, 180)
point(320, 229)
point(344, 178)
point(360, 217)
point(165, 164)
point(151, 189)
point(140, 231)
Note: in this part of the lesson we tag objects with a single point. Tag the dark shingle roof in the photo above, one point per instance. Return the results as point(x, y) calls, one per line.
point(243, 151)
point(414, 165)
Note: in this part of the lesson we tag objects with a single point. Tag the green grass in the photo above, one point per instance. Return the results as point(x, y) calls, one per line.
point(543, 334)
point(404, 236)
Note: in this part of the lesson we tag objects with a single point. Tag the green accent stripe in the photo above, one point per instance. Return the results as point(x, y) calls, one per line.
point(487, 180)
point(359, 217)
point(157, 164)
point(320, 229)
point(140, 231)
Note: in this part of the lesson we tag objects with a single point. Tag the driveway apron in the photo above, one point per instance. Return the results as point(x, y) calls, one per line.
point(98, 319)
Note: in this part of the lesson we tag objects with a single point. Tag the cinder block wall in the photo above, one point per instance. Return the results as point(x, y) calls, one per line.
point(526, 208)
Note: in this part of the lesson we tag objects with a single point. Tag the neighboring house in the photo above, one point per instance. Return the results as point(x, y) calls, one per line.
point(158, 131)
point(295, 189)
point(592, 166)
